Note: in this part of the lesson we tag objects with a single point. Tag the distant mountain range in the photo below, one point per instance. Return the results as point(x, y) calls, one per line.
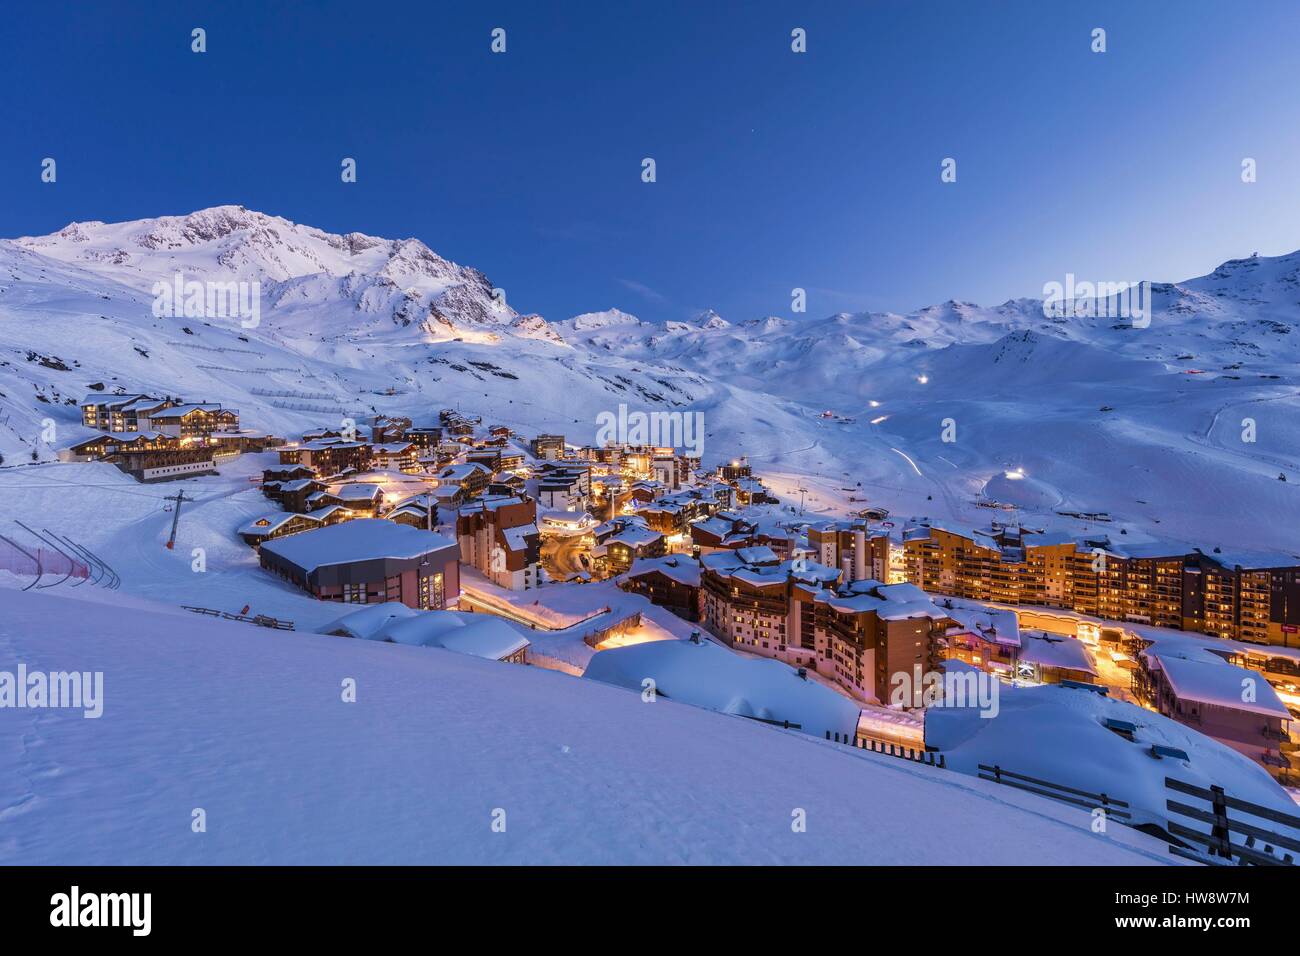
point(1143, 423)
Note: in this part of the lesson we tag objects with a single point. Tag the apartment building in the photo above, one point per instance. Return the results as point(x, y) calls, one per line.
point(1246, 597)
point(861, 634)
point(549, 447)
point(328, 456)
point(858, 551)
point(498, 536)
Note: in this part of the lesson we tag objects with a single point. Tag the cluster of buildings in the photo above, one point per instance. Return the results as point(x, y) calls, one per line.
point(1241, 597)
point(156, 438)
point(472, 486)
point(859, 632)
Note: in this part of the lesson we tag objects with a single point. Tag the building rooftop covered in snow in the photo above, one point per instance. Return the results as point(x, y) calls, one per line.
point(480, 635)
point(707, 675)
point(369, 560)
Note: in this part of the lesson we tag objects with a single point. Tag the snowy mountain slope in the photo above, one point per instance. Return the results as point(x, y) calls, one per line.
point(1144, 424)
point(250, 726)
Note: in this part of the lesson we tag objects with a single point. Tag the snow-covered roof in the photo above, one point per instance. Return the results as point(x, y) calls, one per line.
point(517, 537)
point(1223, 685)
point(272, 522)
point(717, 526)
point(178, 411)
point(463, 471)
point(359, 492)
point(1056, 651)
point(480, 635)
point(708, 675)
point(297, 484)
point(677, 567)
point(634, 536)
point(902, 592)
point(362, 539)
point(999, 625)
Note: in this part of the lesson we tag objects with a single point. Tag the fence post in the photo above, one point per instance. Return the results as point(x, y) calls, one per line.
point(1220, 830)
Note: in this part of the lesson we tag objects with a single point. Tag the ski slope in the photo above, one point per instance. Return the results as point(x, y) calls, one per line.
point(249, 726)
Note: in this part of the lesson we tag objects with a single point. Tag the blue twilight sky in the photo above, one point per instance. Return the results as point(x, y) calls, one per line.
point(775, 169)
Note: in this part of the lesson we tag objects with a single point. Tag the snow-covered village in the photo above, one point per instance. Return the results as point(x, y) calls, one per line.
point(321, 545)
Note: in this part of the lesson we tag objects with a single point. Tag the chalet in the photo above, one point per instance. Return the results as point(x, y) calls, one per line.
point(244, 441)
point(369, 561)
point(296, 495)
point(273, 479)
point(113, 443)
point(506, 483)
point(672, 581)
point(644, 492)
point(328, 456)
point(165, 464)
point(623, 540)
point(400, 456)
point(420, 511)
point(458, 427)
point(751, 491)
point(471, 478)
point(489, 458)
point(193, 421)
point(278, 525)
point(388, 428)
point(499, 537)
point(672, 514)
point(119, 413)
point(725, 530)
point(424, 438)
point(361, 497)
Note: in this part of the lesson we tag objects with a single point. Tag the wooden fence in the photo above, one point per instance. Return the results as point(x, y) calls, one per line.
point(1056, 791)
point(261, 620)
point(1261, 847)
point(919, 755)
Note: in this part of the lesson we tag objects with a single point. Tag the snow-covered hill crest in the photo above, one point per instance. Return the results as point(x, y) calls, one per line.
point(1144, 423)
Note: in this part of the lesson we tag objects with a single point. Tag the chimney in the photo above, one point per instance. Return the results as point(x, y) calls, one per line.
point(859, 555)
point(695, 637)
point(803, 673)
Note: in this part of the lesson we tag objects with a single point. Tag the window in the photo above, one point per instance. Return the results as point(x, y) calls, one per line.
point(431, 595)
point(354, 594)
